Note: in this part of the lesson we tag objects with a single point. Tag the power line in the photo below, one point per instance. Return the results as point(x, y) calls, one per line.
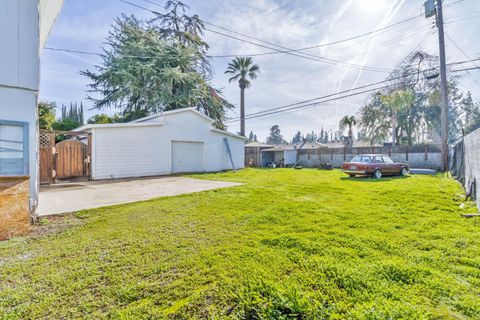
point(310, 47)
point(306, 56)
point(298, 105)
point(383, 44)
point(287, 50)
point(72, 51)
point(139, 6)
point(466, 56)
point(465, 69)
point(310, 57)
point(135, 56)
point(313, 103)
point(304, 48)
point(292, 50)
point(159, 5)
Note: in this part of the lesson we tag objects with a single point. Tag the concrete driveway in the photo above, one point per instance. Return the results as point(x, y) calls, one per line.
point(71, 197)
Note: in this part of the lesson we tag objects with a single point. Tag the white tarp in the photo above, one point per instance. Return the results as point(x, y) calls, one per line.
point(472, 163)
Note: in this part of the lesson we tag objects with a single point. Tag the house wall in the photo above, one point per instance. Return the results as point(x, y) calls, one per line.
point(19, 73)
point(419, 156)
point(146, 150)
point(290, 157)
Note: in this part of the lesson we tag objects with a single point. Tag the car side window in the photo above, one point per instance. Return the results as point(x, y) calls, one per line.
point(378, 160)
point(366, 159)
point(387, 160)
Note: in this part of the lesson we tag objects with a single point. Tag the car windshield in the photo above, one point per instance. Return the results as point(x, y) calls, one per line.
point(365, 159)
point(387, 160)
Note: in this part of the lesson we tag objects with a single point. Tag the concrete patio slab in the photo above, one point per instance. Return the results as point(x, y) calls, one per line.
point(71, 197)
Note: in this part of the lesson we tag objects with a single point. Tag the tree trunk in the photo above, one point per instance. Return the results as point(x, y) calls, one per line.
point(242, 108)
point(394, 129)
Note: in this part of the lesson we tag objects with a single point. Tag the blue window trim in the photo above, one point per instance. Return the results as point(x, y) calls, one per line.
point(26, 138)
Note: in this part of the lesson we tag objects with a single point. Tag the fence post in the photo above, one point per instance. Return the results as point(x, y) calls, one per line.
point(426, 152)
point(331, 156)
point(406, 154)
point(344, 153)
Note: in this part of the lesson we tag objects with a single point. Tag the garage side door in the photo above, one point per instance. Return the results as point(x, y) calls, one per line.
point(187, 156)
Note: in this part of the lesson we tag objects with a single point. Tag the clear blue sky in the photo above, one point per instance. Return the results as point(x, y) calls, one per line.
point(83, 25)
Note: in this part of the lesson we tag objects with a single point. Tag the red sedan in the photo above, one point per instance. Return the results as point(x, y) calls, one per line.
point(376, 165)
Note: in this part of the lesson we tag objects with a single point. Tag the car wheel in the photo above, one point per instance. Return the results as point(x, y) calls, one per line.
point(377, 174)
point(403, 172)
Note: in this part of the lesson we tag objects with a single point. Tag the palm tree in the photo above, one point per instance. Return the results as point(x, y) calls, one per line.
point(242, 69)
point(348, 122)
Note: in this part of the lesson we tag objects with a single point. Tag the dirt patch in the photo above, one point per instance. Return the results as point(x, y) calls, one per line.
point(14, 207)
point(55, 224)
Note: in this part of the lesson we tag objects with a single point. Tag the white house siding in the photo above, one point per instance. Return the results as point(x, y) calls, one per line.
point(217, 157)
point(24, 28)
point(290, 157)
point(145, 149)
point(19, 73)
point(120, 152)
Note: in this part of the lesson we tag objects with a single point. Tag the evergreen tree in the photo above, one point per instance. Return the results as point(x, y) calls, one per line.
point(252, 136)
point(310, 137)
point(275, 136)
point(82, 115)
point(470, 112)
point(297, 138)
point(161, 62)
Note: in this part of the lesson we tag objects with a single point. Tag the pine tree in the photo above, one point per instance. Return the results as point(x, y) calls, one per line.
point(251, 136)
point(82, 115)
point(297, 138)
point(275, 136)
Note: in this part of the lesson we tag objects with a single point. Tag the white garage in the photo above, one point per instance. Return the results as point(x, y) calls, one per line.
point(177, 141)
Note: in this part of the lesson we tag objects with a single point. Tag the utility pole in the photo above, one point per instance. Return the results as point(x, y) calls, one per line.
point(443, 85)
point(435, 7)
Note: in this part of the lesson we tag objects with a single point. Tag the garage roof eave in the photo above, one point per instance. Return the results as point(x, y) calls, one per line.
point(229, 134)
point(119, 125)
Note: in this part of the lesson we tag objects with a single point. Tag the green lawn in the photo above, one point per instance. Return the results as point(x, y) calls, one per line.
point(303, 244)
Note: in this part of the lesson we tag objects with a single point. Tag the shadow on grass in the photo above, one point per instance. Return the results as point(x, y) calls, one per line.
point(370, 179)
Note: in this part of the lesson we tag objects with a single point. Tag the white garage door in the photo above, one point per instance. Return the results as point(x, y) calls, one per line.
point(187, 156)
